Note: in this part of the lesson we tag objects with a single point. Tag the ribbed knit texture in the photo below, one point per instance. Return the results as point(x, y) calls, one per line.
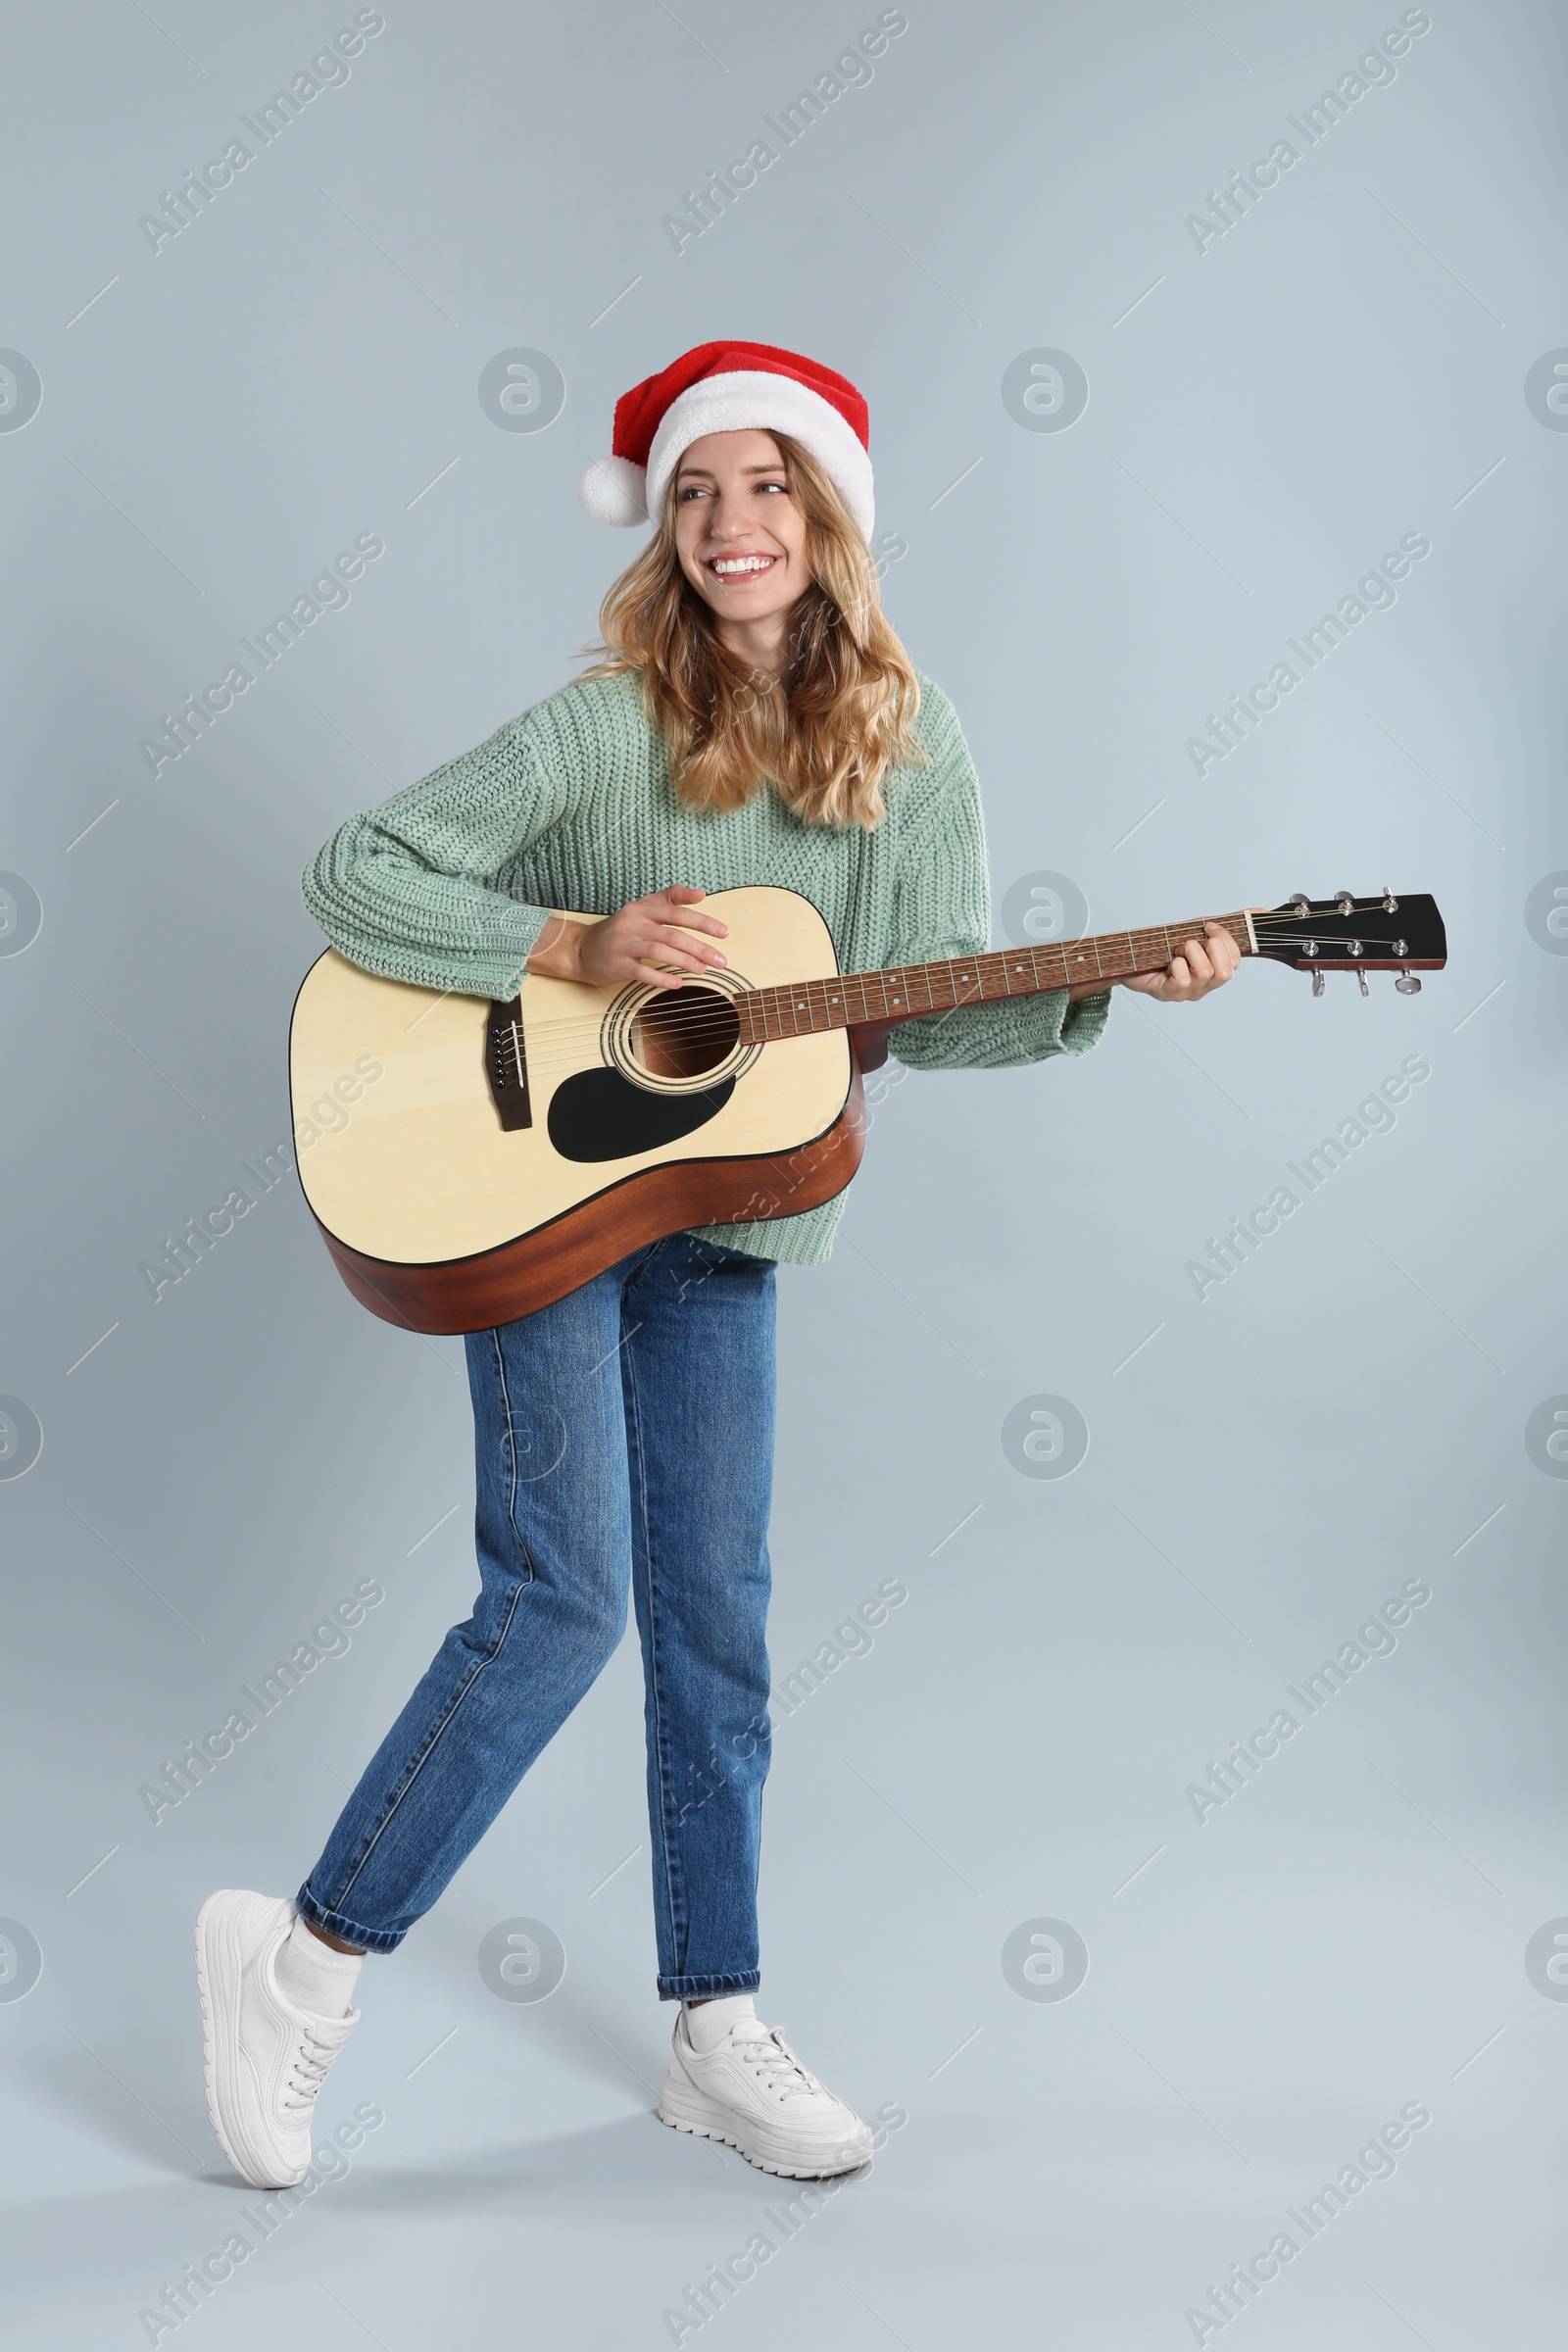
point(449, 882)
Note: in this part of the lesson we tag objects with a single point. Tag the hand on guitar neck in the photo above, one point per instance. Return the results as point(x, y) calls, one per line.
point(661, 939)
point(1203, 965)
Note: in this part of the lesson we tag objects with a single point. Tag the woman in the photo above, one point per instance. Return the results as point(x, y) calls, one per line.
point(754, 719)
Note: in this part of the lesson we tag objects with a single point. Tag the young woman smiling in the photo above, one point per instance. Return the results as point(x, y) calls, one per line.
point(753, 719)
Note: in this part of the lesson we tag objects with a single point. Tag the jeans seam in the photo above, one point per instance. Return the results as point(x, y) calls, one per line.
point(678, 1910)
point(512, 1456)
point(424, 1757)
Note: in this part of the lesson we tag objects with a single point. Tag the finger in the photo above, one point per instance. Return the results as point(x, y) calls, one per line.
point(665, 951)
point(681, 936)
point(1224, 953)
point(660, 932)
point(1198, 964)
point(663, 911)
point(684, 896)
point(638, 934)
point(640, 970)
point(1177, 977)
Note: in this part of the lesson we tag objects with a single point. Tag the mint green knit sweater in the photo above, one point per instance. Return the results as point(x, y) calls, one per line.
point(448, 884)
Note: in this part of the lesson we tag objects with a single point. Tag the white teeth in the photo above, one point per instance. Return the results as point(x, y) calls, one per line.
point(741, 563)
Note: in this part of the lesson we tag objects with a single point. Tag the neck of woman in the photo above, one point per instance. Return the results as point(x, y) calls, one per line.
point(763, 644)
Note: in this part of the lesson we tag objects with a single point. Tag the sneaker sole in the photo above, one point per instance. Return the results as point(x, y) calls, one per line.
point(707, 2121)
point(210, 2063)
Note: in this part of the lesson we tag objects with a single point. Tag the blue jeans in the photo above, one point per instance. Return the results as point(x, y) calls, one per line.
point(623, 1435)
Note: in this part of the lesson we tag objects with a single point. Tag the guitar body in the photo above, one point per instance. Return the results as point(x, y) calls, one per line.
point(469, 1164)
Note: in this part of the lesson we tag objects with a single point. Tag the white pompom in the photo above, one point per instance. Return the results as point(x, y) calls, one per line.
point(614, 490)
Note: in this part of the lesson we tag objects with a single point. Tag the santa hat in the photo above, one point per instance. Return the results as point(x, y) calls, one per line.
point(730, 388)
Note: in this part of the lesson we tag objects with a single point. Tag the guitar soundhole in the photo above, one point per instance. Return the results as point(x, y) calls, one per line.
point(684, 1032)
point(662, 1048)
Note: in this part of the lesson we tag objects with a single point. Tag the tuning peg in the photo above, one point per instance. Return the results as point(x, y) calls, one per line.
point(1409, 985)
point(1391, 905)
point(1344, 899)
point(1301, 901)
point(1365, 991)
point(1317, 984)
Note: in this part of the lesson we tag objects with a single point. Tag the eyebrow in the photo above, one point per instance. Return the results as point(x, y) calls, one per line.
point(683, 471)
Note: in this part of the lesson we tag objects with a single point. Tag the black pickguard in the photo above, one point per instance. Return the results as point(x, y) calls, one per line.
point(599, 1115)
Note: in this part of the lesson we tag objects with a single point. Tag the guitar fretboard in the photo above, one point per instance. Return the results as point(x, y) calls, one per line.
point(910, 989)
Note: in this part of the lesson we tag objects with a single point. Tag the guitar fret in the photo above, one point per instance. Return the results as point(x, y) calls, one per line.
point(948, 983)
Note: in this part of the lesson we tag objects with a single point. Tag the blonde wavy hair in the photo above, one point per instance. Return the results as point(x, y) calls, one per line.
point(826, 734)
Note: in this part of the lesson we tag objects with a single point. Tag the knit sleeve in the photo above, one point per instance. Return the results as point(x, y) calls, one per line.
point(943, 908)
point(410, 889)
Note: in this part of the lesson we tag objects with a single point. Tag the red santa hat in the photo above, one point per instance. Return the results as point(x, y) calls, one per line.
point(730, 388)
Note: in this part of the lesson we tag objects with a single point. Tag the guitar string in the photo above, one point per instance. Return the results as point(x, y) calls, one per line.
point(549, 1042)
point(546, 1043)
point(1271, 931)
point(714, 1012)
point(541, 1028)
point(1267, 938)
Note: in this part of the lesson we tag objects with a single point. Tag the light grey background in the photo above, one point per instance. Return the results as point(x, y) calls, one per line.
point(1265, 1466)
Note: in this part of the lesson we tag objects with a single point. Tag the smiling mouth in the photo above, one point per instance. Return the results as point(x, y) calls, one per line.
point(736, 571)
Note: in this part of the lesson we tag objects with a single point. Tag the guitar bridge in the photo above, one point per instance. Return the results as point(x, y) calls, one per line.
point(506, 1064)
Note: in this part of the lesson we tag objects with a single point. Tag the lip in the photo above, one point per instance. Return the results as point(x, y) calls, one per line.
point(735, 555)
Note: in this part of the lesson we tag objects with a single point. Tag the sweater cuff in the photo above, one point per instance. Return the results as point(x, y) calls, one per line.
point(492, 961)
point(1084, 1022)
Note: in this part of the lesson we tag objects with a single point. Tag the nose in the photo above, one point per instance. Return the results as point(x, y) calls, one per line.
point(728, 519)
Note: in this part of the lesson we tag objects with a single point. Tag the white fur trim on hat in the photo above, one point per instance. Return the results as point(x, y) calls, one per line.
point(752, 400)
point(614, 490)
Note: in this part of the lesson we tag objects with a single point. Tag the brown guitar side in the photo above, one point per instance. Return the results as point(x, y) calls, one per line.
point(474, 1294)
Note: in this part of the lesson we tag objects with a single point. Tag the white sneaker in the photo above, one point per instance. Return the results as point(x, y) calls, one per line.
point(265, 2061)
point(753, 2093)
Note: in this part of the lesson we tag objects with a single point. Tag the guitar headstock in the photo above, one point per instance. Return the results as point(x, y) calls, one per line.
point(1348, 934)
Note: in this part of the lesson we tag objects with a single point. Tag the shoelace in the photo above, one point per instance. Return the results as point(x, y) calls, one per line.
point(312, 2063)
point(770, 2056)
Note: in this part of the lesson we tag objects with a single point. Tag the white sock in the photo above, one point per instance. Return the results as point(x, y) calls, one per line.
point(313, 1977)
point(707, 2022)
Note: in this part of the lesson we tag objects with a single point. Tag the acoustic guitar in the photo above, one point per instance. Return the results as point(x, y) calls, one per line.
point(470, 1162)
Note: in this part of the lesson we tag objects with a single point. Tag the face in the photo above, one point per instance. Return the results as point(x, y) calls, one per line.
point(739, 535)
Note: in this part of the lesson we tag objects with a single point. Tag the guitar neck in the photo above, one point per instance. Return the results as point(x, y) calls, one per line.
point(907, 991)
